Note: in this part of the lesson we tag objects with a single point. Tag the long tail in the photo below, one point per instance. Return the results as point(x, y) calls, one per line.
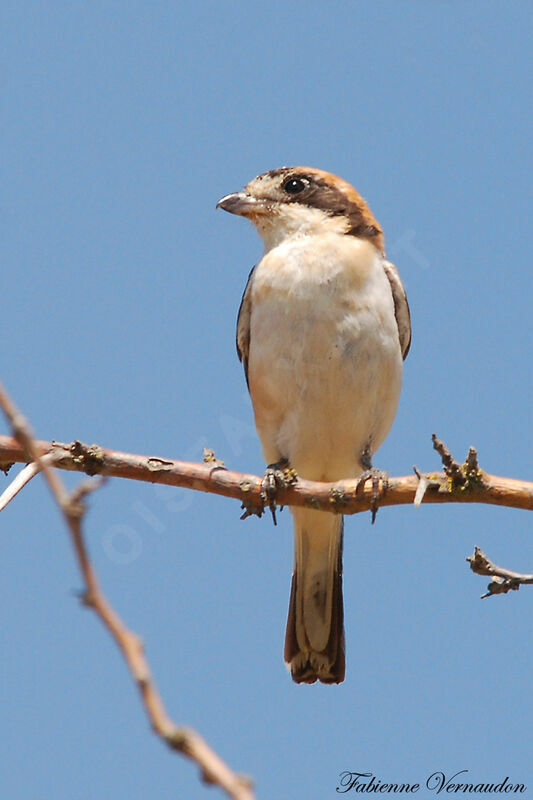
point(314, 641)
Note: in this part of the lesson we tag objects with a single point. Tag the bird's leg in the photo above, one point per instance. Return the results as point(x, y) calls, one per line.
point(277, 476)
point(379, 478)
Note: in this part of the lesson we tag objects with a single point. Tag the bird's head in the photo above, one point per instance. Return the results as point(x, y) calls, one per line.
point(303, 201)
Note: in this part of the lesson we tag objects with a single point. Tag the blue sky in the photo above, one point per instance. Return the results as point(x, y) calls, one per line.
point(123, 124)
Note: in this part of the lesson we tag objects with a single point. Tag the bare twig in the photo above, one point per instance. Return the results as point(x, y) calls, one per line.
point(184, 740)
point(471, 463)
point(505, 580)
point(339, 497)
point(451, 467)
point(22, 479)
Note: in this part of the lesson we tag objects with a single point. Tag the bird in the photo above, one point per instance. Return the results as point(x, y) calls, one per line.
point(322, 331)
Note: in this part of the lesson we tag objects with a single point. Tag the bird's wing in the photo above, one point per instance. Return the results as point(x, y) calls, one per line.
point(401, 307)
point(243, 324)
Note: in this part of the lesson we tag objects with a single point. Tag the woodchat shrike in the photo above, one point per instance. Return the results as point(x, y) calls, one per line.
point(322, 331)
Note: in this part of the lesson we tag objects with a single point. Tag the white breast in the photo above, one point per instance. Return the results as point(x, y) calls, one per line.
point(324, 363)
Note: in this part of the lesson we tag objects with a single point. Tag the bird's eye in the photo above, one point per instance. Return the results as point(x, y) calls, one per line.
point(294, 185)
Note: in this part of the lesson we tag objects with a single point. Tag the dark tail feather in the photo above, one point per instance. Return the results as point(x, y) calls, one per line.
point(306, 664)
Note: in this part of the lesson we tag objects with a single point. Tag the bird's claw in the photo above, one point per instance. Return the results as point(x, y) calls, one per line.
point(251, 509)
point(380, 484)
point(277, 476)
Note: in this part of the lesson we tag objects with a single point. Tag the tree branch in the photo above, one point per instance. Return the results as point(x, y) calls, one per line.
point(341, 497)
point(184, 740)
point(505, 580)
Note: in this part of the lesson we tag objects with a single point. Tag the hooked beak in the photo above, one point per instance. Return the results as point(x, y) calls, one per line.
point(241, 204)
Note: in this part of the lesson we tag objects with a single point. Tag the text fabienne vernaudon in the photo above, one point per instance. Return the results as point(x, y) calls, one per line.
point(437, 782)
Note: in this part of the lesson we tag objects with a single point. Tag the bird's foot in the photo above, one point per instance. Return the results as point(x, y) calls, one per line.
point(380, 484)
point(277, 476)
point(251, 509)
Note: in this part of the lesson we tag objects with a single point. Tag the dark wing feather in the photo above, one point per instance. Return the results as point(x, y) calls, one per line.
point(243, 324)
point(401, 307)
